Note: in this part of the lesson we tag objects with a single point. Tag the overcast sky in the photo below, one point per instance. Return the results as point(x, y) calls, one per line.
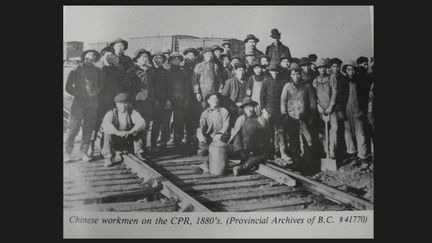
point(329, 31)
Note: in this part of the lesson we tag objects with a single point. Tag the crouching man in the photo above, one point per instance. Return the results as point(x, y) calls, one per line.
point(121, 126)
point(250, 138)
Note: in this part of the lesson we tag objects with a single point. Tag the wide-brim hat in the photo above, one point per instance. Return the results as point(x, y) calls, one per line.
point(174, 55)
point(275, 33)
point(264, 56)
point(159, 54)
point(224, 55)
point(304, 61)
point(98, 55)
point(207, 49)
point(294, 66)
point(362, 60)
point(213, 93)
point(193, 50)
point(251, 37)
point(119, 40)
point(106, 49)
point(336, 61)
point(139, 52)
point(216, 47)
point(239, 65)
point(122, 97)
point(256, 64)
point(349, 63)
point(167, 51)
point(321, 63)
point(312, 57)
point(226, 43)
point(248, 101)
point(285, 57)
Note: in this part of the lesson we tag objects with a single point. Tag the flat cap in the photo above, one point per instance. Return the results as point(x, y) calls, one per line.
point(121, 97)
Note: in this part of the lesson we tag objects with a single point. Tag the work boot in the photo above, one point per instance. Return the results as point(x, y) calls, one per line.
point(86, 158)
point(237, 170)
point(286, 158)
point(141, 156)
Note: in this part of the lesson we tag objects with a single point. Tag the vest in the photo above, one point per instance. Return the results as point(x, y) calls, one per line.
point(116, 121)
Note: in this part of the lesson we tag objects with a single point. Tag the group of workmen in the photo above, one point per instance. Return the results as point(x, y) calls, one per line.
point(265, 106)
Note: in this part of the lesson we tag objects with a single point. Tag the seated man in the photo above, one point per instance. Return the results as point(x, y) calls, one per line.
point(121, 126)
point(214, 123)
point(250, 138)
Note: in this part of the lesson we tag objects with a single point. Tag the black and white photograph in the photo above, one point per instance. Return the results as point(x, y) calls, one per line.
point(210, 109)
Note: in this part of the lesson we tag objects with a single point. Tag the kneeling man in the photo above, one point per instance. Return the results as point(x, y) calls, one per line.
point(250, 138)
point(122, 126)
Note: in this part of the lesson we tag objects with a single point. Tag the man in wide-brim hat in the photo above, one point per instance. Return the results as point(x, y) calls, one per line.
point(276, 50)
point(249, 138)
point(84, 83)
point(250, 45)
point(192, 50)
point(119, 46)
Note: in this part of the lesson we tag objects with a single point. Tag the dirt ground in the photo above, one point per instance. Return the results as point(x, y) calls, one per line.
point(351, 179)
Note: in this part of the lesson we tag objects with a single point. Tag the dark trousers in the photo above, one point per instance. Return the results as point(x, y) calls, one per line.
point(296, 128)
point(83, 114)
point(249, 160)
point(101, 111)
point(113, 143)
point(192, 117)
point(161, 124)
point(277, 133)
point(179, 121)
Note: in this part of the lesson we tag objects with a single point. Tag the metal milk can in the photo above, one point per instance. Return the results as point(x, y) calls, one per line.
point(218, 157)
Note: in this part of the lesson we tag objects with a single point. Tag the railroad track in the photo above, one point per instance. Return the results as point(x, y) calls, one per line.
point(168, 183)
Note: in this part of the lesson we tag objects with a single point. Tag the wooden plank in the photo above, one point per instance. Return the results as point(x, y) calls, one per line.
point(276, 175)
point(98, 196)
point(153, 206)
point(260, 182)
point(249, 193)
point(187, 203)
point(126, 181)
point(103, 178)
point(82, 189)
point(264, 204)
point(213, 180)
point(327, 191)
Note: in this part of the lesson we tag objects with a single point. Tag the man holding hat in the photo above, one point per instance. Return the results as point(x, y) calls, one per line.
point(206, 78)
point(122, 125)
point(271, 102)
point(326, 90)
point(113, 82)
point(354, 102)
point(119, 46)
point(250, 45)
point(84, 83)
point(179, 93)
point(249, 138)
point(161, 104)
point(298, 107)
point(276, 50)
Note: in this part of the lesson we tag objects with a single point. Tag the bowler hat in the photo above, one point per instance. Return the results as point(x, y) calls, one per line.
point(294, 66)
point(336, 61)
point(251, 37)
point(193, 50)
point(216, 47)
point(248, 101)
point(273, 67)
point(174, 55)
point(238, 65)
point(119, 40)
point(349, 63)
point(321, 63)
point(106, 49)
point(226, 43)
point(275, 33)
point(207, 49)
point(139, 52)
point(362, 60)
point(312, 57)
point(121, 97)
point(213, 93)
point(98, 55)
point(304, 61)
point(159, 54)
